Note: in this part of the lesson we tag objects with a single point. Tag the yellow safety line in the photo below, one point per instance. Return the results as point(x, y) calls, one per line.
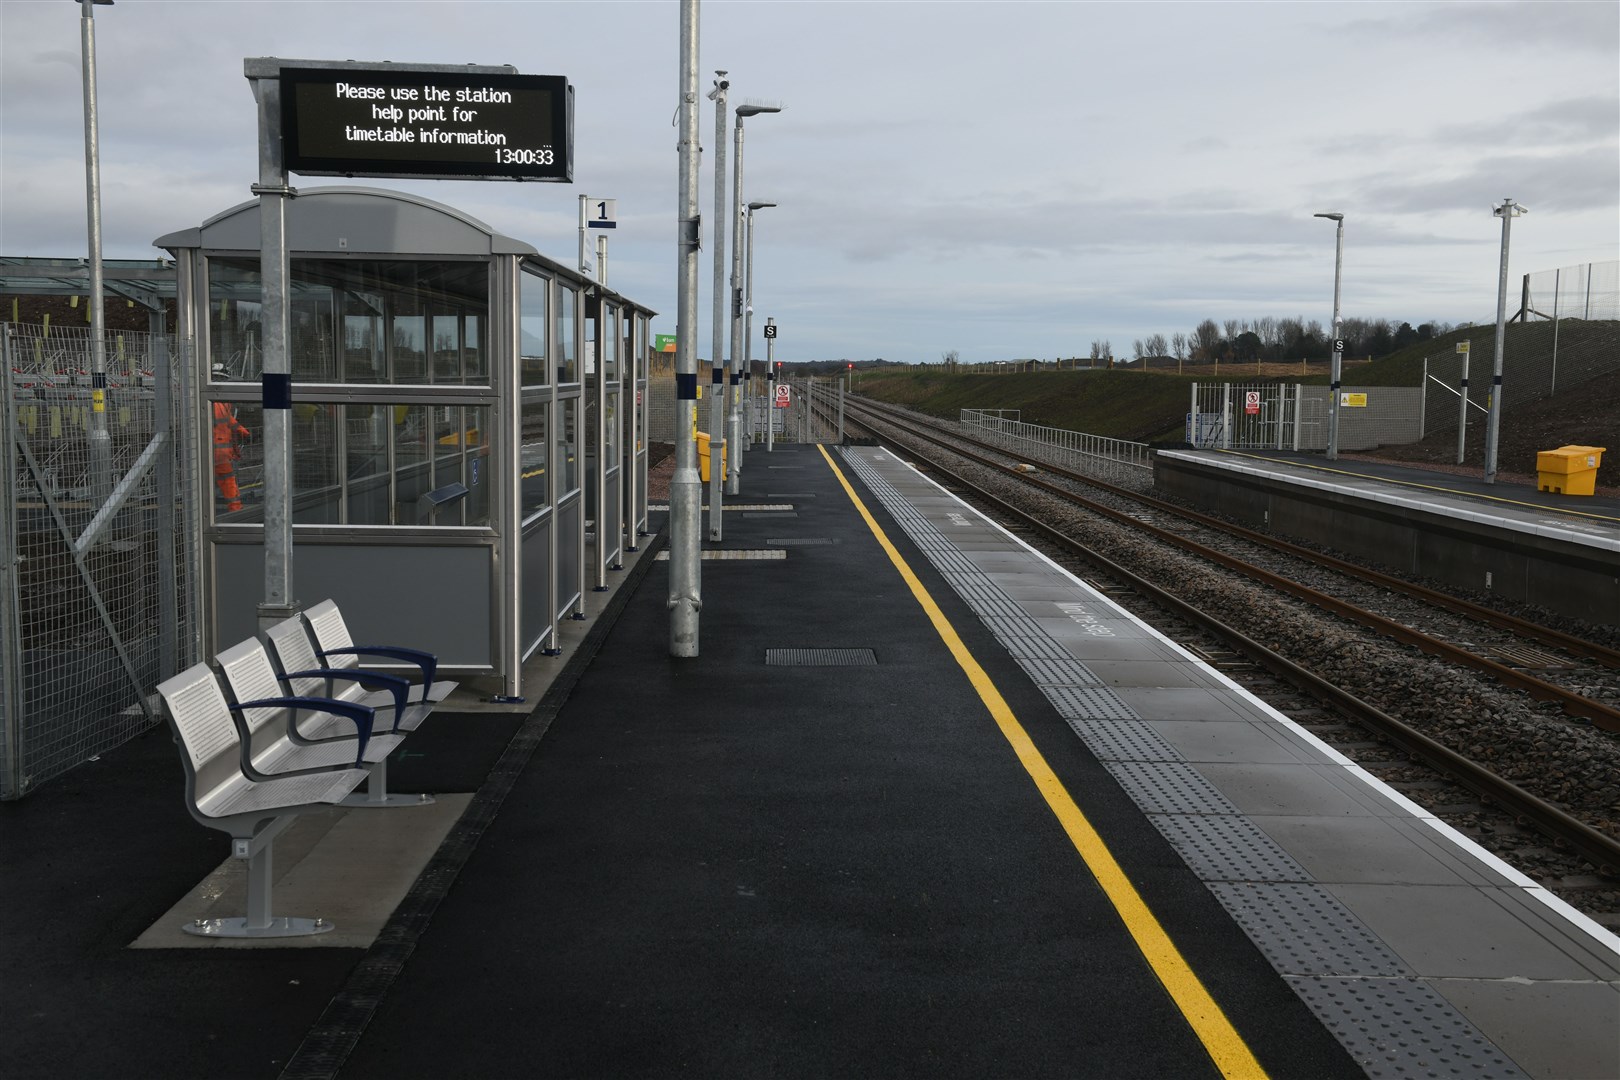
point(1426, 487)
point(1225, 1046)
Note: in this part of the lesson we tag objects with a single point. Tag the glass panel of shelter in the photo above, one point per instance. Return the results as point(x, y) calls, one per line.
point(402, 324)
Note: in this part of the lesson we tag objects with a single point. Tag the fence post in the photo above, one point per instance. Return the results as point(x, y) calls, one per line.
point(1552, 384)
point(11, 669)
point(1423, 402)
point(1226, 416)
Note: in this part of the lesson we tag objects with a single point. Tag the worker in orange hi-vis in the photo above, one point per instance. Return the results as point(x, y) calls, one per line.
point(227, 429)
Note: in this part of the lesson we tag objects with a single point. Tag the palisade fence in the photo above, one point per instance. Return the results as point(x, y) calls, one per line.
point(1092, 454)
point(97, 564)
point(1567, 330)
point(1290, 416)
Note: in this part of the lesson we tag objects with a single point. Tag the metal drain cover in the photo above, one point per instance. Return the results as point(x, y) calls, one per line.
point(820, 658)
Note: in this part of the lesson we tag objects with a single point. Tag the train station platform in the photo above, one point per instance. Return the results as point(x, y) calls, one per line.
point(1560, 552)
point(925, 804)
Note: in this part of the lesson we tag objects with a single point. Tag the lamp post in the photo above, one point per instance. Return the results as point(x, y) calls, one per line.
point(685, 489)
point(738, 370)
point(748, 305)
point(1493, 426)
point(1338, 342)
point(100, 439)
point(717, 355)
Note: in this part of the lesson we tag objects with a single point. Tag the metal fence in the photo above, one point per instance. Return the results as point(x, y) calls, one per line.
point(1290, 416)
point(1566, 332)
point(96, 560)
point(1094, 454)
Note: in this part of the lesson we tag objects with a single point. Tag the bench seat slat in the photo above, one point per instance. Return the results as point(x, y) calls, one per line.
point(279, 793)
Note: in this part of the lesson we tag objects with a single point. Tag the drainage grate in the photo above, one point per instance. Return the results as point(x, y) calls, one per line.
point(740, 554)
point(797, 541)
point(820, 658)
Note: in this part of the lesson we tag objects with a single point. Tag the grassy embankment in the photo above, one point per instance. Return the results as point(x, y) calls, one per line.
point(1151, 406)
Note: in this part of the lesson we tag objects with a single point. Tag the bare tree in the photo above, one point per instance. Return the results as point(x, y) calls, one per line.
point(1178, 345)
point(1157, 346)
point(951, 358)
point(1205, 341)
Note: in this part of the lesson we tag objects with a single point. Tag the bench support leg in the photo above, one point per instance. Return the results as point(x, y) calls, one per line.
point(377, 796)
point(259, 923)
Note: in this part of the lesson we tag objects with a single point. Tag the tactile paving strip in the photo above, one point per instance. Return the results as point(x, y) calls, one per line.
point(1304, 930)
point(1393, 1024)
point(1029, 647)
point(1064, 672)
point(1161, 787)
point(1428, 1037)
point(995, 607)
point(1112, 741)
point(1020, 625)
point(1078, 703)
point(1224, 848)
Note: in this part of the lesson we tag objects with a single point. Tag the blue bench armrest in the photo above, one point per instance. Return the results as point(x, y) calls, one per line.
point(397, 685)
point(424, 660)
point(362, 715)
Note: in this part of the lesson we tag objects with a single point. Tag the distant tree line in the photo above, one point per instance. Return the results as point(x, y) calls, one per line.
point(1281, 339)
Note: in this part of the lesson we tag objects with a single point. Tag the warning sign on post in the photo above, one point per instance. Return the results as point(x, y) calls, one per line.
point(784, 396)
point(1251, 402)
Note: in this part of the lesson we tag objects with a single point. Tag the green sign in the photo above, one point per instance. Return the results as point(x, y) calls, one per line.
point(663, 342)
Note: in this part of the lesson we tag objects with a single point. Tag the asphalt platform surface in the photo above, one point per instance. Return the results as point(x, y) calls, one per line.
point(709, 866)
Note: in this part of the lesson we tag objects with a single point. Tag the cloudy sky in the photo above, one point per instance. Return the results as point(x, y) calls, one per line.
point(1001, 179)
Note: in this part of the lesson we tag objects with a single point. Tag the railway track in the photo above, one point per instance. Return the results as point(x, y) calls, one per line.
point(1443, 720)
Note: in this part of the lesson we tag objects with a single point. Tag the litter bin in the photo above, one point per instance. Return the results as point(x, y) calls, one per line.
point(1569, 470)
point(703, 457)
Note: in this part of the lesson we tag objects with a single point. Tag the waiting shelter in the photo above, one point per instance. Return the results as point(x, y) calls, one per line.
point(468, 427)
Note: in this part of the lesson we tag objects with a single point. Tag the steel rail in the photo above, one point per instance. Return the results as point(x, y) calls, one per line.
point(1546, 635)
point(1600, 849)
point(1576, 705)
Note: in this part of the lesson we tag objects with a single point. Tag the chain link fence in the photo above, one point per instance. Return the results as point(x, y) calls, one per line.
point(96, 557)
point(1566, 332)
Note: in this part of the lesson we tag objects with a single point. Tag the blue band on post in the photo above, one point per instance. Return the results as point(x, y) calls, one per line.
point(735, 378)
point(686, 387)
point(276, 390)
point(98, 380)
point(717, 375)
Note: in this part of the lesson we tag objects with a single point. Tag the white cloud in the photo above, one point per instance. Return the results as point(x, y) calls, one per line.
point(1006, 179)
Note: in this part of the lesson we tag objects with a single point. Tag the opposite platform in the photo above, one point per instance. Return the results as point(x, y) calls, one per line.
point(1560, 552)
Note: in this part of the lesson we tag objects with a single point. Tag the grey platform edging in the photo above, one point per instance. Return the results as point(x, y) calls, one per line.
point(1384, 1015)
point(1395, 497)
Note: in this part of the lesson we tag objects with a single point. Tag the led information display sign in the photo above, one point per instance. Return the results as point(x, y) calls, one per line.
point(433, 124)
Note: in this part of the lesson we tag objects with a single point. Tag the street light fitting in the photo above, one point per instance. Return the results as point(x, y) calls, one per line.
point(1509, 207)
point(1331, 215)
point(754, 108)
point(759, 205)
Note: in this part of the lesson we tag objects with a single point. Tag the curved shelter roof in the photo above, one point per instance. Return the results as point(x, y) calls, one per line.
point(354, 220)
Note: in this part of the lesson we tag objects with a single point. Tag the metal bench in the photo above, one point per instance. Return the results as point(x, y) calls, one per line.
point(334, 646)
point(304, 675)
point(281, 734)
point(254, 812)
